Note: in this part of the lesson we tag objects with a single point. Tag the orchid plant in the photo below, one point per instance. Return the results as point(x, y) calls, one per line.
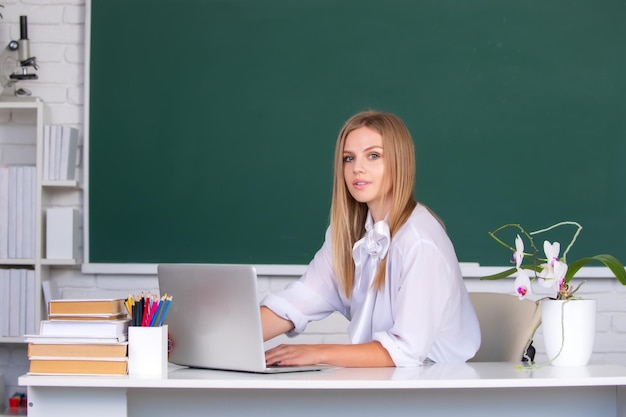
point(552, 271)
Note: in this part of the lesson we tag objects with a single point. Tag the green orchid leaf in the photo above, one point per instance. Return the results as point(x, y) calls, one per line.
point(509, 272)
point(499, 275)
point(609, 261)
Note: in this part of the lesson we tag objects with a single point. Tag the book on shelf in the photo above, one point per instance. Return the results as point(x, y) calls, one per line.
point(69, 145)
point(4, 212)
point(21, 303)
point(5, 304)
point(28, 240)
point(78, 366)
point(15, 284)
point(60, 151)
point(53, 169)
point(29, 301)
point(46, 152)
point(84, 328)
point(62, 233)
point(57, 151)
point(86, 307)
point(19, 212)
point(80, 350)
point(93, 340)
point(12, 213)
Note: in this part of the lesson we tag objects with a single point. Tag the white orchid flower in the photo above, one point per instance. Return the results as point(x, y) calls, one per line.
point(560, 269)
point(553, 271)
point(552, 252)
point(518, 255)
point(522, 284)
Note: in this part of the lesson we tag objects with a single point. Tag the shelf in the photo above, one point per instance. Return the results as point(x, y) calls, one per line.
point(60, 262)
point(12, 340)
point(60, 184)
point(10, 102)
point(17, 262)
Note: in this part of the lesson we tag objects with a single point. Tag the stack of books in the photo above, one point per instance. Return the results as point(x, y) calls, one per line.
point(81, 337)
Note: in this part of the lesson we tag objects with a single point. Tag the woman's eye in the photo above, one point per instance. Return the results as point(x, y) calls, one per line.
point(374, 156)
point(348, 158)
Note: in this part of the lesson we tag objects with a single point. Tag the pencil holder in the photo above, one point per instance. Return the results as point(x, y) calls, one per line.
point(147, 351)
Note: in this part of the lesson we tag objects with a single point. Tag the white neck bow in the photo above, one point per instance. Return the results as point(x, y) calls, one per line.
point(375, 242)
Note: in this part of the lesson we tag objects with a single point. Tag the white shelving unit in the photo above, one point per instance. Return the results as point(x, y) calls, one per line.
point(45, 194)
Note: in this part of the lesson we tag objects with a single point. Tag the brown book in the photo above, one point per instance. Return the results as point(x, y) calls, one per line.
point(78, 366)
point(86, 307)
point(89, 317)
point(84, 350)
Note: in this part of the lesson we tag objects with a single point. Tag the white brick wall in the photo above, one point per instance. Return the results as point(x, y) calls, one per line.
point(56, 30)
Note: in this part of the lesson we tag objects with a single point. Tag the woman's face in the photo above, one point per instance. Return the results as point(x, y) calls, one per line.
point(364, 169)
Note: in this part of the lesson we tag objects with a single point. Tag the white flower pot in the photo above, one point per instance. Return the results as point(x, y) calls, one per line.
point(569, 328)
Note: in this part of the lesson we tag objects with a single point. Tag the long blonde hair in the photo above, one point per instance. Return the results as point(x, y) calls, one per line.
point(347, 216)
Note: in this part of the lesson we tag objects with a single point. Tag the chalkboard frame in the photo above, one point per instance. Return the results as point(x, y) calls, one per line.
point(532, 183)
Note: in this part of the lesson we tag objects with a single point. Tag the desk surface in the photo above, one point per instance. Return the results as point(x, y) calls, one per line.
point(468, 375)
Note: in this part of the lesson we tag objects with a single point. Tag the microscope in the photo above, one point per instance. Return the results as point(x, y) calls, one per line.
point(15, 63)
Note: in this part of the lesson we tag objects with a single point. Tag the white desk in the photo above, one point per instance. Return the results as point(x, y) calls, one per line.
point(472, 389)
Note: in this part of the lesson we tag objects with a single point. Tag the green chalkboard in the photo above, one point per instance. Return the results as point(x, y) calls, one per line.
point(212, 122)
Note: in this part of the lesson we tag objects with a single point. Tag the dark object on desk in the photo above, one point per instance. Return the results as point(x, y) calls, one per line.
point(530, 354)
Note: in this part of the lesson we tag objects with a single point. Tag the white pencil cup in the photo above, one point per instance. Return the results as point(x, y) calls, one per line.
point(147, 351)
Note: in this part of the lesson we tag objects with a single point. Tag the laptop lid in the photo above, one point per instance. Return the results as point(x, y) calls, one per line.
point(214, 319)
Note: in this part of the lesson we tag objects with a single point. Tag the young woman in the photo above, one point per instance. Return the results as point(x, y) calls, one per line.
point(387, 265)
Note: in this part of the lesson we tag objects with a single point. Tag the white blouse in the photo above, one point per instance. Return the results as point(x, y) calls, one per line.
point(423, 312)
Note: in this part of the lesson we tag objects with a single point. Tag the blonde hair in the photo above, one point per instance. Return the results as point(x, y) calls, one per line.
point(347, 216)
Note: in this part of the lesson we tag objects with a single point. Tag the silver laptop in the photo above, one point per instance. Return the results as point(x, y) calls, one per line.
point(214, 319)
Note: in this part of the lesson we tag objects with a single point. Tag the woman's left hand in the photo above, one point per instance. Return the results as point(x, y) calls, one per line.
point(295, 355)
point(370, 354)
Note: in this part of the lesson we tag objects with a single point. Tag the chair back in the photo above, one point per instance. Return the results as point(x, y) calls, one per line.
point(506, 326)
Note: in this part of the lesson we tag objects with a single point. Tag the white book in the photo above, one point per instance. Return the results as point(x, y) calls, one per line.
point(34, 212)
point(4, 302)
point(58, 142)
point(50, 291)
point(14, 302)
point(84, 328)
point(19, 213)
point(38, 338)
point(69, 148)
point(62, 233)
point(28, 239)
point(46, 152)
point(12, 211)
point(4, 212)
point(30, 301)
point(53, 153)
point(22, 312)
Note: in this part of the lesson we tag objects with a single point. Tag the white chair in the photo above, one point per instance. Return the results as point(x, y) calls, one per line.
point(506, 325)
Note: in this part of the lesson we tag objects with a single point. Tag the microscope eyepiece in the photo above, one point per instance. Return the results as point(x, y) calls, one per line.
point(23, 27)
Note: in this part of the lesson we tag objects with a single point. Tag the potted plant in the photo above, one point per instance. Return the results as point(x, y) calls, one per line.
point(568, 321)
